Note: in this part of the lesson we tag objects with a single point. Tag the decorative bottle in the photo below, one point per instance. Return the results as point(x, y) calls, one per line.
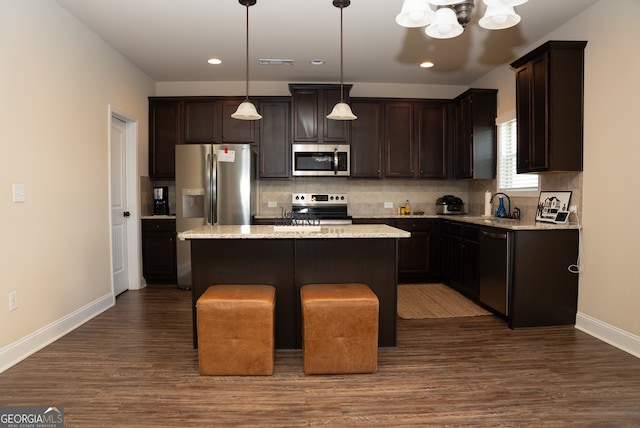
point(501, 212)
point(407, 208)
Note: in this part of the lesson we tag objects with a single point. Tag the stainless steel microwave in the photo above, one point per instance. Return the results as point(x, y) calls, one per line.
point(320, 160)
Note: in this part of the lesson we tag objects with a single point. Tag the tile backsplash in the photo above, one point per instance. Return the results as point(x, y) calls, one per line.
point(368, 197)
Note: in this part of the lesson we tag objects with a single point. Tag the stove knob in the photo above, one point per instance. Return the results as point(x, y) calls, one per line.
point(342, 198)
point(331, 198)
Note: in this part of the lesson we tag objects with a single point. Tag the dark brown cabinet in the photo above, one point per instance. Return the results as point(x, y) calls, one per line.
point(543, 290)
point(165, 131)
point(366, 139)
point(159, 251)
point(274, 138)
point(433, 139)
point(549, 102)
point(419, 255)
point(459, 246)
point(399, 140)
point(208, 120)
point(311, 104)
point(415, 139)
point(475, 147)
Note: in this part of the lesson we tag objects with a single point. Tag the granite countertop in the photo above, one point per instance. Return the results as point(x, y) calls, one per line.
point(296, 232)
point(502, 223)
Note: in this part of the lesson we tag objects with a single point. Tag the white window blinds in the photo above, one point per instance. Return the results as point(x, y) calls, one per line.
point(508, 178)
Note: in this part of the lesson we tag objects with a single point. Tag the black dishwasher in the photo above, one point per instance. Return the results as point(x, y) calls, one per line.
point(495, 268)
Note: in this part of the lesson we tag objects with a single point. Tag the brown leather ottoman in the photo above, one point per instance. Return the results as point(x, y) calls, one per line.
point(236, 330)
point(339, 328)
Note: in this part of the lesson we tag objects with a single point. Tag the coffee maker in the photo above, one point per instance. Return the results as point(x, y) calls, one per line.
point(161, 200)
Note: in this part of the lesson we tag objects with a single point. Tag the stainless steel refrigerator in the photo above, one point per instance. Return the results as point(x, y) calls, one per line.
point(215, 184)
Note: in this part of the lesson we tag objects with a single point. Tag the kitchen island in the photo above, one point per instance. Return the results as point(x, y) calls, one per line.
point(290, 257)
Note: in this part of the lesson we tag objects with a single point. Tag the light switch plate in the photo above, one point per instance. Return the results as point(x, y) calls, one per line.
point(272, 204)
point(388, 204)
point(18, 193)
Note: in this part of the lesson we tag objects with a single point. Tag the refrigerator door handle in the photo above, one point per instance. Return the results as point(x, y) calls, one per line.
point(213, 187)
point(210, 190)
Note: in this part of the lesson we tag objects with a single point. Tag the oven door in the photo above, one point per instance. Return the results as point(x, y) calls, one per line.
point(320, 160)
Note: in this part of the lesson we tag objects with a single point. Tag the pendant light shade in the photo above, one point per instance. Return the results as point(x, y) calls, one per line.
point(246, 110)
point(341, 111)
point(504, 3)
point(499, 18)
point(415, 13)
point(446, 25)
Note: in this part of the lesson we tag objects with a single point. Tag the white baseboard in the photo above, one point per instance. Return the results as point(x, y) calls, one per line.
point(12, 354)
point(607, 333)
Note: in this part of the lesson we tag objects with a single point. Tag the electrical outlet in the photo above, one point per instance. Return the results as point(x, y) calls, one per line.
point(573, 209)
point(388, 204)
point(13, 301)
point(272, 204)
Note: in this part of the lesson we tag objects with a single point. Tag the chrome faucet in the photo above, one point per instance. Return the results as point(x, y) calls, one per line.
point(508, 213)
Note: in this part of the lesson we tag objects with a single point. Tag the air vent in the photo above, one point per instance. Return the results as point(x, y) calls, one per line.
point(263, 61)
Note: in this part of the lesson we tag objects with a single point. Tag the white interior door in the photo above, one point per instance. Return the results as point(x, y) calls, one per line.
point(119, 212)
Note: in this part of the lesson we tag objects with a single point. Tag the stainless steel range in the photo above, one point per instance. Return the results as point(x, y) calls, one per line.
point(319, 208)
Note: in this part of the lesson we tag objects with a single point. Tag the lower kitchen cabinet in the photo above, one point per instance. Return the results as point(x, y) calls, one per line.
point(543, 291)
point(159, 251)
point(418, 256)
point(459, 246)
point(521, 275)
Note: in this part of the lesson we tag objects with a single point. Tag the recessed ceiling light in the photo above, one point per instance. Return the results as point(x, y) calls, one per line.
point(214, 61)
point(427, 64)
point(316, 62)
point(275, 61)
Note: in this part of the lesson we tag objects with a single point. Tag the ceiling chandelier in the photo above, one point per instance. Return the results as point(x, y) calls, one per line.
point(341, 111)
point(246, 110)
point(450, 17)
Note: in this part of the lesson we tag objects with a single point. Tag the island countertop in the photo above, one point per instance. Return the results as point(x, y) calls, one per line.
point(294, 232)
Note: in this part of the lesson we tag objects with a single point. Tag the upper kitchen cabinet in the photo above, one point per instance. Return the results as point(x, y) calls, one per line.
point(366, 138)
point(274, 137)
point(549, 101)
point(311, 104)
point(208, 120)
point(415, 139)
point(432, 139)
point(165, 132)
point(475, 143)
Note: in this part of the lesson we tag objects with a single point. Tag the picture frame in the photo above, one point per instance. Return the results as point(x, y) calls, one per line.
point(551, 203)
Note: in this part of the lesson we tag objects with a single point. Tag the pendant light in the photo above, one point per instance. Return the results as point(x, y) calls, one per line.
point(246, 109)
point(341, 111)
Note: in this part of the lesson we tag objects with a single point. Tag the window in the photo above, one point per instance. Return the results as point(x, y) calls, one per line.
point(508, 178)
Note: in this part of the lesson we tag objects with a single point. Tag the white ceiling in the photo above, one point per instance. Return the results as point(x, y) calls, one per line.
point(171, 40)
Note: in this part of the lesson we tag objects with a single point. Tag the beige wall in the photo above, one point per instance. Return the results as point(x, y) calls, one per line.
point(609, 293)
point(57, 80)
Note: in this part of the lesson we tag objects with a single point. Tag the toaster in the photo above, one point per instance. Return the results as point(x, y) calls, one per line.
point(449, 204)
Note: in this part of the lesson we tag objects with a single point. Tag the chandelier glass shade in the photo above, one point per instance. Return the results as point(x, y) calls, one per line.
point(341, 111)
point(415, 13)
point(445, 19)
point(246, 110)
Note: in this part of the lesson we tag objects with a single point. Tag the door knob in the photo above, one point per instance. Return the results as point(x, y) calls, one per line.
point(126, 213)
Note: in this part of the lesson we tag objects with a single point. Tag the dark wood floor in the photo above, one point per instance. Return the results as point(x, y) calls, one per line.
point(134, 365)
